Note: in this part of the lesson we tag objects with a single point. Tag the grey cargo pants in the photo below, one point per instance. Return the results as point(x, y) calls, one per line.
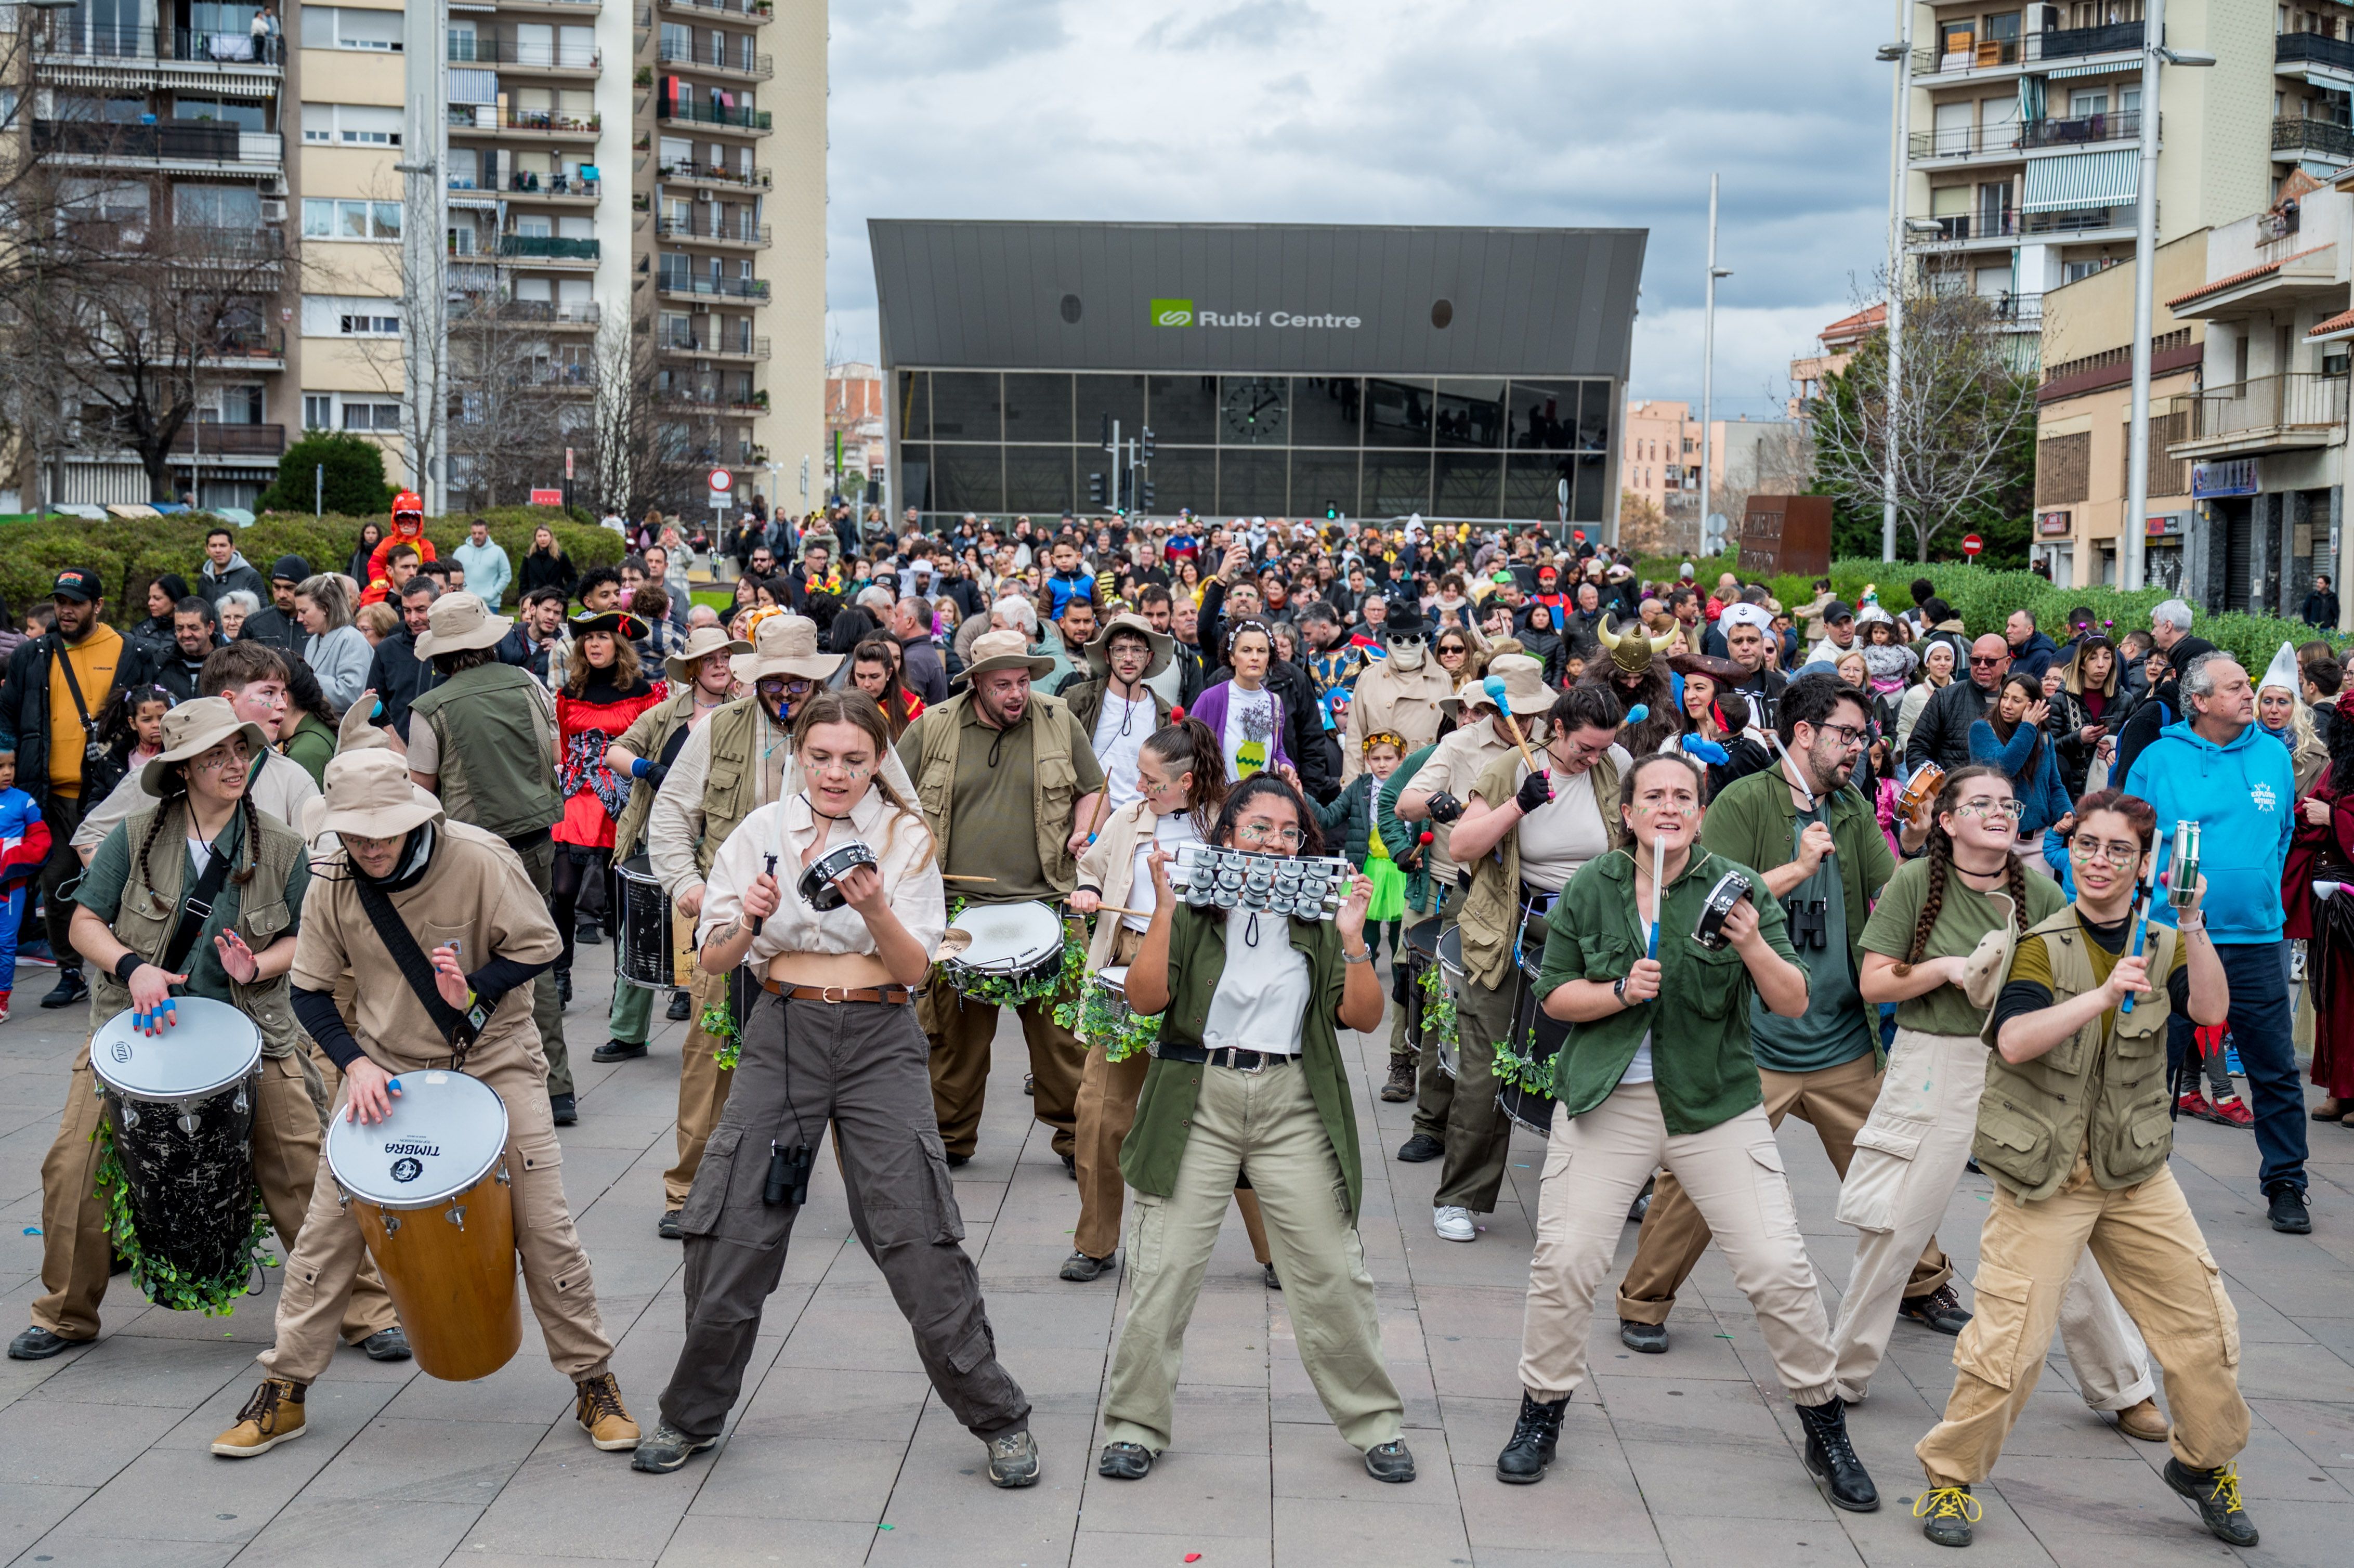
point(864, 1067)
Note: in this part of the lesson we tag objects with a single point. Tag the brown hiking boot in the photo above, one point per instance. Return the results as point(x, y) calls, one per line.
point(1401, 1084)
point(273, 1415)
point(600, 1414)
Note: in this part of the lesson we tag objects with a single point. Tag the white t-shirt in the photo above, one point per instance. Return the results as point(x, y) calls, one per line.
point(1638, 1070)
point(1249, 740)
point(1262, 996)
point(1171, 834)
point(1558, 839)
point(1120, 732)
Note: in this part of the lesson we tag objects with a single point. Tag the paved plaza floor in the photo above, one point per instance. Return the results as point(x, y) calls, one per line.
point(838, 1454)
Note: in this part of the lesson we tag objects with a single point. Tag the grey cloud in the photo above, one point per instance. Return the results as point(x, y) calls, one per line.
point(1248, 26)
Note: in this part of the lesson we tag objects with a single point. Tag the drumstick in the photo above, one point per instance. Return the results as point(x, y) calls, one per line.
point(2144, 897)
point(1494, 687)
point(1116, 909)
point(1659, 893)
point(947, 877)
point(772, 871)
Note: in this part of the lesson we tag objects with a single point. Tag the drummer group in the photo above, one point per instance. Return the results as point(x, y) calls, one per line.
point(1603, 892)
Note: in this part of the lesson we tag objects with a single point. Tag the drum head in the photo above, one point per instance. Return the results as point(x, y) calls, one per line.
point(445, 1130)
point(1008, 936)
point(212, 1046)
point(1114, 979)
point(1424, 939)
point(1450, 950)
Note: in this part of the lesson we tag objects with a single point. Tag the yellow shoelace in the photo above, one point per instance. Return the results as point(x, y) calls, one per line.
point(2226, 1495)
point(1949, 1502)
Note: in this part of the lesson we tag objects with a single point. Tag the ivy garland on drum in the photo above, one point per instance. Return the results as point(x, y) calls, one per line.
point(1437, 1008)
point(1521, 1072)
point(718, 1021)
point(1121, 1033)
point(158, 1278)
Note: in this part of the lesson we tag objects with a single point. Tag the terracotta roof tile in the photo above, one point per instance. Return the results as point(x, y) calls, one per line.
point(2339, 323)
point(2236, 279)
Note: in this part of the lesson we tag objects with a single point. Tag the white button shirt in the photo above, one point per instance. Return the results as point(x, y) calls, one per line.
point(902, 850)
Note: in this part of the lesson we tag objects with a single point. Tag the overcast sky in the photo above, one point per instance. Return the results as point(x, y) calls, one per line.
point(1505, 112)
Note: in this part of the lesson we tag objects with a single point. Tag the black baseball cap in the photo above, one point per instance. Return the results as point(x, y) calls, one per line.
point(77, 583)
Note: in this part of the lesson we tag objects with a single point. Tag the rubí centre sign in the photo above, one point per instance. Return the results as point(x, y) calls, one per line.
point(1182, 313)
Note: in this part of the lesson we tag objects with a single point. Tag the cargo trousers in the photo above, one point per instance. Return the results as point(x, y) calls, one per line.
point(1433, 1086)
point(546, 1011)
point(76, 1256)
point(703, 1086)
point(962, 1032)
point(859, 1067)
point(330, 1254)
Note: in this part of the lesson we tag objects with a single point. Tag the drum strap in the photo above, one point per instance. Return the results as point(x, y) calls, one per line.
point(197, 907)
point(459, 1029)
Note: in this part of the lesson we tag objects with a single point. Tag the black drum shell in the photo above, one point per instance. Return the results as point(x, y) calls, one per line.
point(191, 1195)
point(643, 955)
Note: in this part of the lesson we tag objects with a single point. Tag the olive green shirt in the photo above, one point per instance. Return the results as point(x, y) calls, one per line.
point(1164, 1110)
point(1964, 917)
point(1698, 1024)
point(994, 831)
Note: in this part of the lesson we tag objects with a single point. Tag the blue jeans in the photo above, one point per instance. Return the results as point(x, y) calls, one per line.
point(2260, 1026)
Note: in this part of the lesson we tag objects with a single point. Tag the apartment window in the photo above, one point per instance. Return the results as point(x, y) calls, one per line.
point(244, 115)
point(328, 218)
point(371, 416)
point(352, 124)
point(318, 410)
point(342, 315)
point(345, 27)
point(217, 206)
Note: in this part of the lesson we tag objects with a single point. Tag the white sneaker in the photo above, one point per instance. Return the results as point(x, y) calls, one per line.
point(1452, 1223)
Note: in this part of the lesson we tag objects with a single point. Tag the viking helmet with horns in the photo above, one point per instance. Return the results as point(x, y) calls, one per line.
point(1631, 650)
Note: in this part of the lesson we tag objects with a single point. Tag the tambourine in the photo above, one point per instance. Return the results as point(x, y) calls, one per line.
point(820, 884)
point(1920, 789)
point(1709, 930)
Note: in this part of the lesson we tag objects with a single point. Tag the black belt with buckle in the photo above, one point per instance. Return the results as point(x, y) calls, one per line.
point(1233, 1057)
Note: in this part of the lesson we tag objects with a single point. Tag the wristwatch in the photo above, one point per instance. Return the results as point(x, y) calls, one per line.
point(1618, 990)
point(1364, 958)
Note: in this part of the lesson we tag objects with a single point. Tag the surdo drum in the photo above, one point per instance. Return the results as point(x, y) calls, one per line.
point(1451, 975)
point(657, 943)
point(820, 885)
point(180, 1107)
point(428, 1186)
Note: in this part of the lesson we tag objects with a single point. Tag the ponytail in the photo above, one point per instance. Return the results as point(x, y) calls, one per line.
point(1186, 744)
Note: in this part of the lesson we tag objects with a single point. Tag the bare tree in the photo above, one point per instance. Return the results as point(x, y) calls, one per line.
point(655, 433)
point(1964, 418)
point(517, 392)
point(1643, 527)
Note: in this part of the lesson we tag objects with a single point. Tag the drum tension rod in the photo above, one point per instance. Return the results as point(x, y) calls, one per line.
point(391, 1224)
point(457, 1215)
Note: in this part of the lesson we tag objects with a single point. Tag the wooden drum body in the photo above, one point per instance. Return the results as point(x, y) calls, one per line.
point(429, 1189)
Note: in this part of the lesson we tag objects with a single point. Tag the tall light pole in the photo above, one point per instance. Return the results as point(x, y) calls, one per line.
point(2133, 528)
point(425, 293)
point(1901, 53)
point(1708, 364)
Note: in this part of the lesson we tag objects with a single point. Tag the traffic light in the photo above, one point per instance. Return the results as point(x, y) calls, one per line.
point(1095, 490)
point(1144, 450)
point(1145, 495)
point(1332, 512)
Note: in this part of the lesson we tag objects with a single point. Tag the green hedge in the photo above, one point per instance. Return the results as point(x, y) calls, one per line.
point(1984, 599)
point(130, 555)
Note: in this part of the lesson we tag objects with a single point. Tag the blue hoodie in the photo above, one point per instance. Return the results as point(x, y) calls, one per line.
point(2242, 796)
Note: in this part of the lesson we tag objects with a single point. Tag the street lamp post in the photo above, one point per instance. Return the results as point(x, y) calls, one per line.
point(1901, 53)
point(1708, 366)
point(2133, 528)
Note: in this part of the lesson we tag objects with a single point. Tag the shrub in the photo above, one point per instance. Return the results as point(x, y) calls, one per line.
point(353, 481)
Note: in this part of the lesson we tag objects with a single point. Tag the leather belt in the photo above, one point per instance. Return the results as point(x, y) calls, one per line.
point(1233, 1057)
point(895, 995)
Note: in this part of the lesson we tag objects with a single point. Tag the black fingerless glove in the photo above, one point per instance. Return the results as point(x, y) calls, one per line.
point(655, 773)
point(1445, 807)
point(1535, 790)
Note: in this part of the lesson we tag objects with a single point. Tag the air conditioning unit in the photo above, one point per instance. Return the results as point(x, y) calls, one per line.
point(274, 211)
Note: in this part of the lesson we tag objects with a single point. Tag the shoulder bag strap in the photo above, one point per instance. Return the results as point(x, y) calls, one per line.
point(73, 685)
point(197, 906)
point(460, 1029)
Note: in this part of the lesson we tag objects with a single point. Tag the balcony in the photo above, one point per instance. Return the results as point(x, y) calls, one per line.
point(2313, 48)
point(526, 186)
point(546, 313)
point(2323, 138)
point(757, 9)
point(545, 247)
point(256, 348)
point(676, 281)
point(2264, 413)
point(213, 440)
point(1966, 141)
point(571, 7)
point(755, 68)
point(546, 372)
point(726, 117)
point(1964, 229)
point(2081, 221)
point(485, 119)
point(739, 400)
point(712, 231)
point(2085, 131)
point(2074, 43)
point(239, 47)
point(189, 142)
point(697, 173)
point(2021, 312)
point(728, 345)
point(533, 58)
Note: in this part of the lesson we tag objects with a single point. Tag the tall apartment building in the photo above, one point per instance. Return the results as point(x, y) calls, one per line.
point(2022, 169)
point(629, 186)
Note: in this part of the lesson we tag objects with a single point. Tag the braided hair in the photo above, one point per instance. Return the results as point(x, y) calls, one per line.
point(175, 794)
point(1941, 863)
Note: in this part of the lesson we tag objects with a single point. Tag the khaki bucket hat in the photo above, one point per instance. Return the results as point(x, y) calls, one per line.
point(784, 645)
point(194, 728)
point(459, 621)
point(1163, 646)
point(1004, 650)
point(368, 795)
point(1525, 692)
point(701, 643)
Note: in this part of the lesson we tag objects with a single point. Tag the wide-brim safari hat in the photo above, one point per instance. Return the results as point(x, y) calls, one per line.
point(194, 728)
point(1526, 695)
point(784, 645)
point(459, 621)
point(1004, 650)
point(1163, 646)
point(368, 796)
point(701, 643)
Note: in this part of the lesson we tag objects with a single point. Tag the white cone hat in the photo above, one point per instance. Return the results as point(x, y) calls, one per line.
point(2283, 673)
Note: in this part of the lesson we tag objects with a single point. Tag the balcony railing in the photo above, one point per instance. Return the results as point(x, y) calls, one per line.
point(676, 281)
point(1963, 225)
point(2326, 137)
point(2017, 310)
point(526, 182)
point(202, 141)
point(689, 112)
point(260, 342)
point(2082, 131)
point(485, 117)
point(2317, 48)
point(669, 51)
point(476, 49)
point(2079, 220)
point(230, 440)
point(548, 374)
point(227, 47)
point(1992, 54)
point(2073, 43)
point(743, 231)
point(2265, 406)
point(548, 247)
point(724, 7)
point(716, 174)
point(739, 344)
point(526, 312)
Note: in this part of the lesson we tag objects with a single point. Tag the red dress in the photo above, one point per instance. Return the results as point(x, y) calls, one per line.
point(587, 725)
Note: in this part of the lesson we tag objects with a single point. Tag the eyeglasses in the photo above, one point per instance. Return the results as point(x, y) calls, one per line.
point(1452, 650)
point(1850, 736)
point(779, 686)
point(2122, 853)
point(1259, 833)
point(2012, 809)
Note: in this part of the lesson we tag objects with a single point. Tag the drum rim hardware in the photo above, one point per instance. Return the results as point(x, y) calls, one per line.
point(440, 1197)
point(196, 1012)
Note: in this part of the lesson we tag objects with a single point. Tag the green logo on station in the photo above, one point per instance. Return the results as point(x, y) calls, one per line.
point(1172, 312)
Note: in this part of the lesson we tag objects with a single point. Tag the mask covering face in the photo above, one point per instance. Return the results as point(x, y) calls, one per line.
point(1408, 651)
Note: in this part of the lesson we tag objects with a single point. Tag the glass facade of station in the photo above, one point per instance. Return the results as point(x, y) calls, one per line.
point(1028, 441)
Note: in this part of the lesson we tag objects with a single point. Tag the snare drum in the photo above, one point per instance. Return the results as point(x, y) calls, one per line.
point(647, 956)
point(1015, 944)
point(1107, 1019)
point(1538, 1039)
point(428, 1186)
point(180, 1107)
point(818, 883)
point(1451, 974)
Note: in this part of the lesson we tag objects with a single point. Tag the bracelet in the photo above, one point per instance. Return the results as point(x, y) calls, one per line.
point(1364, 958)
point(127, 965)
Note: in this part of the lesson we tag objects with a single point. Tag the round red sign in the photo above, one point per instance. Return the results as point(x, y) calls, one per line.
point(1972, 544)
